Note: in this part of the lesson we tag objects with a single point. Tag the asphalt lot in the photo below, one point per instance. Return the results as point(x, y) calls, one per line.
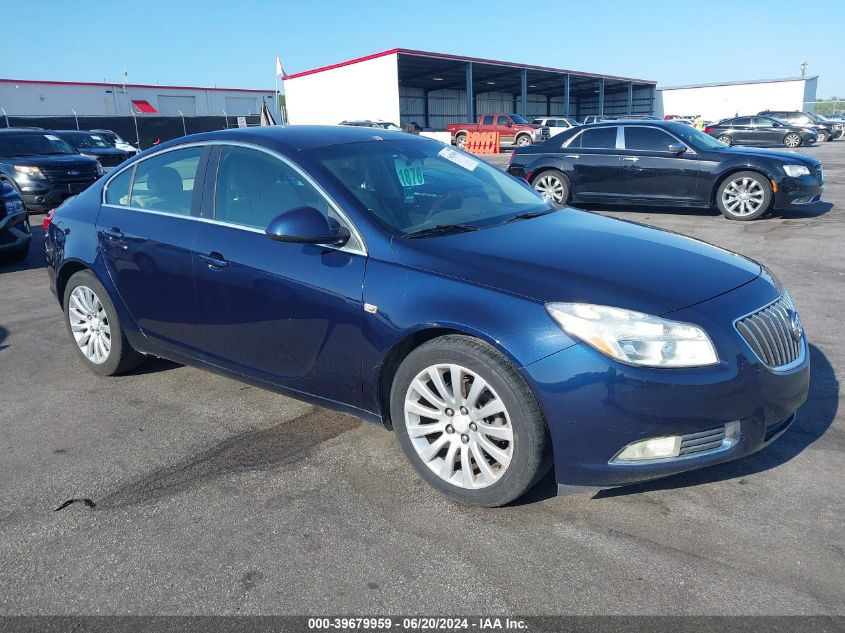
point(214, 497)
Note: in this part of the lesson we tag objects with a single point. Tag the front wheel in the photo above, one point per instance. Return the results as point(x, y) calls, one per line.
point(94, 327)
point(523, 141)
point(743, 196)
point(824, 137)
point(727, 140)
point(468, 422)
point(792, 140)
point(553, 186)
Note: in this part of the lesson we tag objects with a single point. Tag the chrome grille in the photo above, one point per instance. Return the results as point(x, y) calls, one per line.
point(702, 442)
point(774, 332)
point(83, 173)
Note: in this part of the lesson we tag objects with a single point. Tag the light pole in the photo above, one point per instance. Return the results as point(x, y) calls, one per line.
point(184, 129)
point(76, 117)
point(804, 69)
point(135, 118)
point(5, 116)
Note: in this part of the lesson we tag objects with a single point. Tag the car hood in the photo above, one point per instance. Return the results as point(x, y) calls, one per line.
point(103, 151)
point(51, 161)
point(576, 256)
point(786, 156)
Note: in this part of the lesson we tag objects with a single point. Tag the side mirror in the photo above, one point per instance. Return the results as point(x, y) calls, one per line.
point(306, 225)
point(510, 123)
point(676, 148)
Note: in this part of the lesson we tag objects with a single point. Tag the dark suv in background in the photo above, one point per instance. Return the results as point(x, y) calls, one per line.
point(95, 146)
point(43, 168)
point(760, 130)
point(825, 130)
point(15, 234)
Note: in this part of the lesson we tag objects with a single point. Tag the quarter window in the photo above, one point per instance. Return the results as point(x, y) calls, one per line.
point(118, 189)
point(647, 139)
point(166, 182)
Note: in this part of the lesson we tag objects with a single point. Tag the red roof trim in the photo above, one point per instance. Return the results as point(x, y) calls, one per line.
point(392, 51)
point(119, 85)
point(480, 60)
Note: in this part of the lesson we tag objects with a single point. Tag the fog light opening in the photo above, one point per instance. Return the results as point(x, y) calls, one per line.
point(654, 448)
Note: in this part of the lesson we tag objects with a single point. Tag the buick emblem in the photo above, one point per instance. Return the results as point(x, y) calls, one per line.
point(73, 172)
point(795, 325)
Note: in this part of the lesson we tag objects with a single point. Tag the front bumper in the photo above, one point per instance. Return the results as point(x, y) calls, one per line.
point(43, 195)
point(14, 231)
point(594, 406)
point(800, 191)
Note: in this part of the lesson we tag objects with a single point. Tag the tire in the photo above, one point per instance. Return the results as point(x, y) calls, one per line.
point(824, 137)
point(120, 357)
point(510, 466)
point(523, 140)
point(460, 140)
point(735, 206)
point(17, 254)
point(550, 182)
point(727, 140)
point(792, 140)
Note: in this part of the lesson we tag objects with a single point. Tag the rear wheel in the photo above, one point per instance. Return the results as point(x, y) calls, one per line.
point(553, 185)
point(468, 422)
point(523, 140)
point(727, 140)
point(792, 140)
point(743, 196)
point(94, 327)
point(460, 140)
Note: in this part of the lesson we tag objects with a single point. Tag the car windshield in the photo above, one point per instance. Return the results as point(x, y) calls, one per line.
point(696, 138)
point(417, 184)
point(518, 119)
point(33, 145)
point(81, 140)
point(110, 137)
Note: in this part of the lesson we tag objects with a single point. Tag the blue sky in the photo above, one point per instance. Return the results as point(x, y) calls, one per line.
point(234, 44)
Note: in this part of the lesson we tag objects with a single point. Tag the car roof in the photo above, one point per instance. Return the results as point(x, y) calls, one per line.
point(296, 137)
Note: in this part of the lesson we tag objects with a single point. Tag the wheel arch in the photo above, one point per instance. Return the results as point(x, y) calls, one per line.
point(65, 272)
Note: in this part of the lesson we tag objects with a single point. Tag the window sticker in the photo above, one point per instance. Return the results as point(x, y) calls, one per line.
point(458, 158)
point(409, 171)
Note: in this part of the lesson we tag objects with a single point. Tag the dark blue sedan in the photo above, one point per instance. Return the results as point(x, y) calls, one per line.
point(414, 286)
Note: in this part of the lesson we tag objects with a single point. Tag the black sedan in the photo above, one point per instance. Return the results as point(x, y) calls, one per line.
point(95, 146)
point(666, 163)
point(760, 130)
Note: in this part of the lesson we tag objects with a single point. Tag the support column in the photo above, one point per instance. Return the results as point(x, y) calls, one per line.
point(566, 95)
point(470, 95)
point(427, 122)
point(601, 96)
point(523, 102)
point(630, 97)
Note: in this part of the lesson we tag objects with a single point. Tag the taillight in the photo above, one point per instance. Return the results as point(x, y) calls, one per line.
point(48, 218)
point(707, 130)
point(528, 176)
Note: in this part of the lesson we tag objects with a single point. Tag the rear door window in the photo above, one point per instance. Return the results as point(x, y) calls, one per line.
point(742, 121)
point(166, 182)
point(502, 120)
point(488, 120)
point(597, 138)
point(117, 191)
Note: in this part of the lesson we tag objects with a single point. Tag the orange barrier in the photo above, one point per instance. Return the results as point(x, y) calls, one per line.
point(482, 143)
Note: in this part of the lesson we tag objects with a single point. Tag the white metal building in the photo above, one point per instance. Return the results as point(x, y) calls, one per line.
point(60, 98)
point(722, 100)
point(404, 86)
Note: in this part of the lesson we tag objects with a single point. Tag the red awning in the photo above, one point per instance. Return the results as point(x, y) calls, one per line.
point(144, 106)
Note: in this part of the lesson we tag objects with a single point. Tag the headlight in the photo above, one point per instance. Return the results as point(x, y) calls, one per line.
point(29, 172)
point(796, 170)
point(634, 337)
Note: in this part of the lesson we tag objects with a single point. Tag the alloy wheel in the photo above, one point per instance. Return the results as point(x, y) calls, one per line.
point(522, 141)
point(727, 140)
point(743, 196)
point(89, 324)
point(792, 140)
point(461, 141)
point(551, 187)
point(459, 426)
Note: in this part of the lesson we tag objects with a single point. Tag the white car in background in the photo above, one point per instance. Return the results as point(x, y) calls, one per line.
point(556, 125)
point(114, 139)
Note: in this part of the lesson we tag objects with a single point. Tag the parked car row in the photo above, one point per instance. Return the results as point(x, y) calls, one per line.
point(522, 336)
point(46, 166)
point(666, 163)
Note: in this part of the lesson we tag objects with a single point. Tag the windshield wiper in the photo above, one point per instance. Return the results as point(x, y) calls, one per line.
point(529, 215)
point(440, 229)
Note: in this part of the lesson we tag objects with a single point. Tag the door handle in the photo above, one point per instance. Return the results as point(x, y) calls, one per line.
point(113, 233)
point(573, 156)
point(214, 260)
point(631, 159)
